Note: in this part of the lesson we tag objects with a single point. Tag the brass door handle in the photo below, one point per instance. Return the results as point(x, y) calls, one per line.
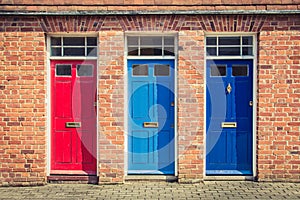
point(150, 124)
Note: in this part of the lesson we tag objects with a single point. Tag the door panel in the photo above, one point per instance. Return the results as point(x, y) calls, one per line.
point(63, 110)
point(63, 141)
point(73, 138)
point(151, 117)
point(229, 117)
point(141, 100)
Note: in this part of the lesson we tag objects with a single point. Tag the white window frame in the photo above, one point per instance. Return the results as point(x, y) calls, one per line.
point(223, 35)
point(151, 34)
point(49, 92)
point(175, 58)
point(85, 57)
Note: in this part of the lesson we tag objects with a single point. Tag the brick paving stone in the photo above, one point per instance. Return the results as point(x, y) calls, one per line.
point(156, 190)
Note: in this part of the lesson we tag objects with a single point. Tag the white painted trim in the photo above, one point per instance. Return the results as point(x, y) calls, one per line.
point(72, 34)
point(176, 155)
point(49, 93)
point(254, 113)
point(98, 106)
point(125, 108)
point(150, 57)
point(229, 57)
point(254, 93)
point(48, 108)
point(228, 34)
point(175, 58)
point(72, 57)
point(150, 33)
point(204, 129)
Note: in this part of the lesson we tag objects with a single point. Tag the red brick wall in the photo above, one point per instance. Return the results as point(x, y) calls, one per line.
point(23, 85)
point(22, 108)
point(190, 116)
point(111, 107)
point(150, 5)
point(279, 104)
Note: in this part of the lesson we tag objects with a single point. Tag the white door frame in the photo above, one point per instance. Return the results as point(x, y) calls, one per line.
point(254, 118)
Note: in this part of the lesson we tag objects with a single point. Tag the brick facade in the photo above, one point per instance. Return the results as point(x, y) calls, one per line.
point(146, 5)
point(23, 83)
point(23, 108)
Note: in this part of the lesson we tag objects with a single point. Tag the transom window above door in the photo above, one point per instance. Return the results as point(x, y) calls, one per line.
point(150, 45)
point(229, 46)
point(73, 46)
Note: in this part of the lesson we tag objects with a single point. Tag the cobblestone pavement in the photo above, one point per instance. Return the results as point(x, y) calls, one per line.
point(157, 190)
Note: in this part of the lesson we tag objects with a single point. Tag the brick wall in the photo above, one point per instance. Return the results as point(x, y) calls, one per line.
point(279, 105)
point(190, 106)
point(149, 5)
point(111, 107)
point(23, 91)
point(23, 108)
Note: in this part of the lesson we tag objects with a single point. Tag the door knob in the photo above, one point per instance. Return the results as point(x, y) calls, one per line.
point(228, 88)
point(251, 103)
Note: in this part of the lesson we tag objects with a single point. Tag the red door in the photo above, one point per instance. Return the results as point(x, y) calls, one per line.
point(73, 137)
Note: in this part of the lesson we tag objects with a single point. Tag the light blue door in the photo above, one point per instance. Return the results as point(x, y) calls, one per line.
point(229, 99)
point(151, 117)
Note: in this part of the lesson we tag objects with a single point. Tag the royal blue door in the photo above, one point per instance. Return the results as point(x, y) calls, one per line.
point(151, 117)
point(229, 113)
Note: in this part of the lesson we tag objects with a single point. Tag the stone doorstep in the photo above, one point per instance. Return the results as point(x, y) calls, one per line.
point(155, 178)
point(229, 178)
point(73, 179)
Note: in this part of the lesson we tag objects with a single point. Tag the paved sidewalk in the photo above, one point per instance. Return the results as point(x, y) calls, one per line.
point(157, 190)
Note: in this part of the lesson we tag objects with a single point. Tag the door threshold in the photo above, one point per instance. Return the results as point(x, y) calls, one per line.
point(229, 178)
point(72, 172)
point(165, 178)
point(66, 178)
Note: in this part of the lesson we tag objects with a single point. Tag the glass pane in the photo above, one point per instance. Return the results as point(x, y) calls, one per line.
point(211, 41)
point(151, 51)
point(55, 41)
point(212, 51)
point(63, 70)
point(229, 51)
point(74, 52)
point(161, 70)
point(147, 40)
point(133, 51)
point(169, 40)
point(247, 51)
point(91, 41)
point(239, 70)
point(140, 70)
point(84, 70)
point(73, 41)
point(92, 51)
point(55, 51)
point(132, 40)
point(218, 70)
point(229, 41)
point(247, 40)
point(169, 51)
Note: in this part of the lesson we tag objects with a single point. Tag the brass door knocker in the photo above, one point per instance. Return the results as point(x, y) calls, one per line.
point(229, 88)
